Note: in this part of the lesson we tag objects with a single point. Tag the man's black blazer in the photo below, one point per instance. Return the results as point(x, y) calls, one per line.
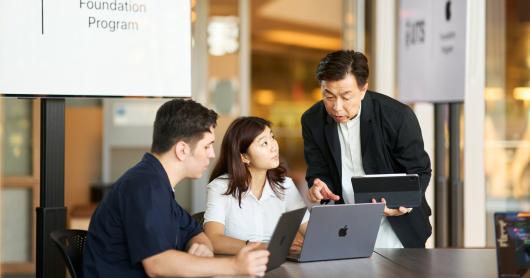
point(391, 142)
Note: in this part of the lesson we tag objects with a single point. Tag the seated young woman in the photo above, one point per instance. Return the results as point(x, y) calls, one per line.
point(248, 189)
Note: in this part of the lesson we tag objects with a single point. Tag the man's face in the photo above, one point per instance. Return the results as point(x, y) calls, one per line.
point(200, 155)
point(342, 98)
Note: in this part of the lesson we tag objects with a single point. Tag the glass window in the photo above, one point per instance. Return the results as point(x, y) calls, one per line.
point(17, 141)
point(507, 130)
point(286, 48)
point(223, 47)
point(16, 235)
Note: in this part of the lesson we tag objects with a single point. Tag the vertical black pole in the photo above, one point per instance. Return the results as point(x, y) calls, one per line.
point(441, 189)
point(51, 215)
point(456, 189)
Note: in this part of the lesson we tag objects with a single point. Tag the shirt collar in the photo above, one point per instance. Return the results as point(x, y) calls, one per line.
point(266, 194)
point(267, 191)
point(153, 161)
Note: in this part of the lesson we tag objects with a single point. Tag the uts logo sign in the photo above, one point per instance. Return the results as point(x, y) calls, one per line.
point(432, 50)
point(415, 32)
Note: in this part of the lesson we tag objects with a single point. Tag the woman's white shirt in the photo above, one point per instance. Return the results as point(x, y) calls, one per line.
point(256, 219)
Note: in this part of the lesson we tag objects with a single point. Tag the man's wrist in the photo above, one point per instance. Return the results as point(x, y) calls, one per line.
point(234, 269)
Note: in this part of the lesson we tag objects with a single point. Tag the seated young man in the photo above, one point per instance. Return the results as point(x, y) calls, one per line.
point(140, 230)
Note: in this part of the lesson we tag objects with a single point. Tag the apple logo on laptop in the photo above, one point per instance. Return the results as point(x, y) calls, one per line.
point(343, 231)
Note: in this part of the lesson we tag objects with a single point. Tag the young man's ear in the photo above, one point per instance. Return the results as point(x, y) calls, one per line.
point(182, 150)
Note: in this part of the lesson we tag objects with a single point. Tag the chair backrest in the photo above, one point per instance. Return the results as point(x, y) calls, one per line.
point(199, 217)
point(71, 243)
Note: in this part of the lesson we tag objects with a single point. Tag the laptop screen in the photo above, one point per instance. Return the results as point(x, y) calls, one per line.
point(512, 234)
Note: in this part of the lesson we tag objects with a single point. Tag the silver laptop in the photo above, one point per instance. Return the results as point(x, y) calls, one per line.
point(340, 232)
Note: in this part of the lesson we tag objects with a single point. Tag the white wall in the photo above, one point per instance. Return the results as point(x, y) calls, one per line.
point(384, 52)
point(474, 116)
point(425, 114)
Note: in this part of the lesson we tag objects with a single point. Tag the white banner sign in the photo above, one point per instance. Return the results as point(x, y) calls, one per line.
point(95, 47)
point(431, 60)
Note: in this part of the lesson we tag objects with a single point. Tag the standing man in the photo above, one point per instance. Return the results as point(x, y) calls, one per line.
point(139, 229)
point(353, 132)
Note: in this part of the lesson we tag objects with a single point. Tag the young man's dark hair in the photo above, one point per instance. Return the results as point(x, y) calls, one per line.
point(171, 124)
point(337, 64)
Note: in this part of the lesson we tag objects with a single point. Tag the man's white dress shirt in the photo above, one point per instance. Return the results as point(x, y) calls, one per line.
point(352, 165)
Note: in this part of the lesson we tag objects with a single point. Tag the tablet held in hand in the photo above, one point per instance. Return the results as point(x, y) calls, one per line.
point(397, 189)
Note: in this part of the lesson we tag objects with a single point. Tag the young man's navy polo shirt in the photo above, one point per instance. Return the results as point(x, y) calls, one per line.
point(137, 219)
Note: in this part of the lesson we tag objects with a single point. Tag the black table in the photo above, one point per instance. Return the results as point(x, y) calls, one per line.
point(400, 263)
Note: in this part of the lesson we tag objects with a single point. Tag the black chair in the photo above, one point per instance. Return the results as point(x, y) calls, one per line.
point(199, 217)
point(71, 243)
